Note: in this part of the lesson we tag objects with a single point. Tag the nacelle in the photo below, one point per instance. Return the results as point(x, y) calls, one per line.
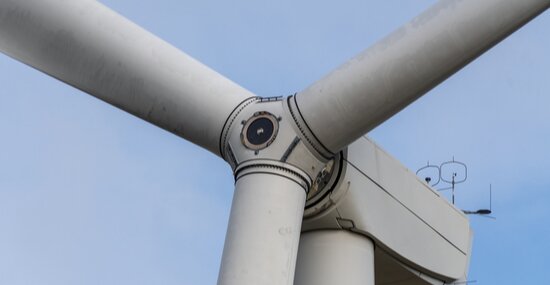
point(416, 231)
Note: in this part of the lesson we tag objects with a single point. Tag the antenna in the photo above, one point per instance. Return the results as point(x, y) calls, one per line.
point(484, 212)
point(429, 178)
point(456, 168)
point(465, 282)
point(458, 174)
point(490, 197)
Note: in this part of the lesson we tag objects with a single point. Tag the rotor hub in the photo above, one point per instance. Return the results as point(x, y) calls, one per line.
point(262, 136)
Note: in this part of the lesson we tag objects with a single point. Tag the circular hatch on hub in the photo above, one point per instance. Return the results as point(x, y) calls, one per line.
point(260, 131)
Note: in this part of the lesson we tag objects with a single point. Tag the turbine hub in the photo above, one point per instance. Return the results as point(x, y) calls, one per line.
point(261, 135)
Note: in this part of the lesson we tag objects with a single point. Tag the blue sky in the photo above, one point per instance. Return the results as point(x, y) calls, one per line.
point(92, 195)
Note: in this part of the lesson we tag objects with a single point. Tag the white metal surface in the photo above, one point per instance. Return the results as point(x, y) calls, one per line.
point(378, 197)
point(332, 257)
point(288, 149)
point(264, 230)
point(390, 75)
point(83, 43)
point(90, 47)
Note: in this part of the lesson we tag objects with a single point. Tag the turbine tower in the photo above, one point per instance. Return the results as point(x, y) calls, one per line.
point(315, 201)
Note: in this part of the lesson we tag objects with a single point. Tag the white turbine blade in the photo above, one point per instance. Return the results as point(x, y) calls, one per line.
point(261, 245)
point(92, 48)
point(390, 75)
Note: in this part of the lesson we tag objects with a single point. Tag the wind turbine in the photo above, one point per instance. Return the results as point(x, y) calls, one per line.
point(279, 146)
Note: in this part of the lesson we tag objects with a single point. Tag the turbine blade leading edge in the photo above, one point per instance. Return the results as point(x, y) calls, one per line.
point(387, 77)
point(92, 48)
